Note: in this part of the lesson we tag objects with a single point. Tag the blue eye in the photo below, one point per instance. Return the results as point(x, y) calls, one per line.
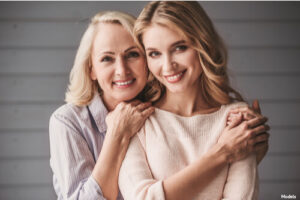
point(106, 59)
point(181, 48)
point(154, 54)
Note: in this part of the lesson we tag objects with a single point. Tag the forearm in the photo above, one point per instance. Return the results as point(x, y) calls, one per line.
point(242, 180)
point(191, 180)
point(106, 170)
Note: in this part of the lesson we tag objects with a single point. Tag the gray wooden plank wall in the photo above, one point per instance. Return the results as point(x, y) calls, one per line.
point(38, 41)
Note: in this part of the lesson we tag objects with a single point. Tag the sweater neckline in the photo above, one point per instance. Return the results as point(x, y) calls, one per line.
point(193, 116)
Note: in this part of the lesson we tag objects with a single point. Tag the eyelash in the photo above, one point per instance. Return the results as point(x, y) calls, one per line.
point(106, 59)
point(181, 48)
point(153, 52)
point(177, 48)
point(133, 54)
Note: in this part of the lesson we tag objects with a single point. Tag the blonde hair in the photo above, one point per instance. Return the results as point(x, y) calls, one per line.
point(190, 20)
point(82, 88)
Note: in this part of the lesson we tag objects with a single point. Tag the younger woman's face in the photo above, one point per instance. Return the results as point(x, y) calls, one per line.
point(171, 59)
point(117, 64)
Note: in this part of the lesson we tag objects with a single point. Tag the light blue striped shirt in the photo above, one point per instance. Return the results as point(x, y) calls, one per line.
point(76, 139)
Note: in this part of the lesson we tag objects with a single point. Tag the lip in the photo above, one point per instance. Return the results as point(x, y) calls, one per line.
point(174, 78)
point(123, 83)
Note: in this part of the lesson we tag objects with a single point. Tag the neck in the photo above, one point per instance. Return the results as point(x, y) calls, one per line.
point(187, 103)
point(110, 104)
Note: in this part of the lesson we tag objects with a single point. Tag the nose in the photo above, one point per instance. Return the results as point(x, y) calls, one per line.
point(121, 67)
point(168, 63)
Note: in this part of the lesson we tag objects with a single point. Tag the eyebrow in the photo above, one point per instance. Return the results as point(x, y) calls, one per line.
point(130, 48)
point(178, 42)
point(106, 52)
point(113, 53)
point(172, 45)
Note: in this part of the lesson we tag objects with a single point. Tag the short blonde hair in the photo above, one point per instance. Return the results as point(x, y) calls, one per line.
point(82, 88)
point(190, 20)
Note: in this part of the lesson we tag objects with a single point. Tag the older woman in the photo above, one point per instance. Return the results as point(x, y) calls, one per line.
point(89, 135)
point(180, 152)
point(109, 69)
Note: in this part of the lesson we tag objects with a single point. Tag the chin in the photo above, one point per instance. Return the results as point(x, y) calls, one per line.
point(176, 90)
point(127, 97)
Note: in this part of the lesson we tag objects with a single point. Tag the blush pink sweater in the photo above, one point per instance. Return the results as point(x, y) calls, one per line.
point(168, 143)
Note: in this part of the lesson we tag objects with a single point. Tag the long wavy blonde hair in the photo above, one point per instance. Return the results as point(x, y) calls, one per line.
point(82, 88)
point(190, 20)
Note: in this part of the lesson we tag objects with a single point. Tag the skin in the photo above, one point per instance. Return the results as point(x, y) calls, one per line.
point(260, 143)
point(116, 60)
point(175, 64)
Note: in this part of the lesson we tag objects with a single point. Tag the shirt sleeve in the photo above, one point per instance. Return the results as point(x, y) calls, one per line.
point(242, 180)
point(71, 161)
point(135, 178)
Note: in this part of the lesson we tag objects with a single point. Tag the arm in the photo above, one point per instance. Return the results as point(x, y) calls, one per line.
point(71, 161)
point(107, 167)
point(242, 180)
point(79, 177)
point(233, 145)
point(136, 180)
point(122, 124)
point(135, 177)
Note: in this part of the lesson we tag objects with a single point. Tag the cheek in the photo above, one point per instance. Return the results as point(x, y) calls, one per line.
point(154, 67)
point(139, 67)
point(194, 61)
point(93, 74)
point(104, 77)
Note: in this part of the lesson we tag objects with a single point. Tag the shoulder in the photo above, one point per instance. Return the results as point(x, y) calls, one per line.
point(233, 105)
point(69, 111)
point(68, 115)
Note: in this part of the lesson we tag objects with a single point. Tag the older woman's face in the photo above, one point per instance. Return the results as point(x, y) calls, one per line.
point(171, 59)
point(117, 64)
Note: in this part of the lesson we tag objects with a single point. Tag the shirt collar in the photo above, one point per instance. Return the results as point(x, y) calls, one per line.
point(99, 112)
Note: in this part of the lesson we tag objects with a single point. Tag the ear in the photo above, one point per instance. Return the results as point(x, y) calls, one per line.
point(93, 74)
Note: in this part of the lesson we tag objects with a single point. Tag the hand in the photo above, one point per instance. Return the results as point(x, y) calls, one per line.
point(127, 118)
point(240, 138)
point(260, 148)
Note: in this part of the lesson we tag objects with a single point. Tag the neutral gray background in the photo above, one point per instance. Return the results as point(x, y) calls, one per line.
point(38, 41)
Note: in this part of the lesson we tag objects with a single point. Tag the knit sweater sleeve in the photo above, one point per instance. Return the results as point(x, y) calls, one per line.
point(242, 180)
point(135, 178)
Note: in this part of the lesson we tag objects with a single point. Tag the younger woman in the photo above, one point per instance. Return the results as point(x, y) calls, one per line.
point(181, 152)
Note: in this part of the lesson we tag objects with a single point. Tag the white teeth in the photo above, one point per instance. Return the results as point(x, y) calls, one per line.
point(124, 83)
point(172, 78)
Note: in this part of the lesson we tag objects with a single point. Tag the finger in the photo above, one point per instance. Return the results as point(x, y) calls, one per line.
point(248, 116)
point(236, 122)
point(233, 120)
point(261, 145)
point(147, 112)
point(239, 109)
point(143, 106)
point(262, 138)
point(232, 115)
point(255, 106)
point(244, 109)
point(229, 122)
point(259, 129)
point(256, 121)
